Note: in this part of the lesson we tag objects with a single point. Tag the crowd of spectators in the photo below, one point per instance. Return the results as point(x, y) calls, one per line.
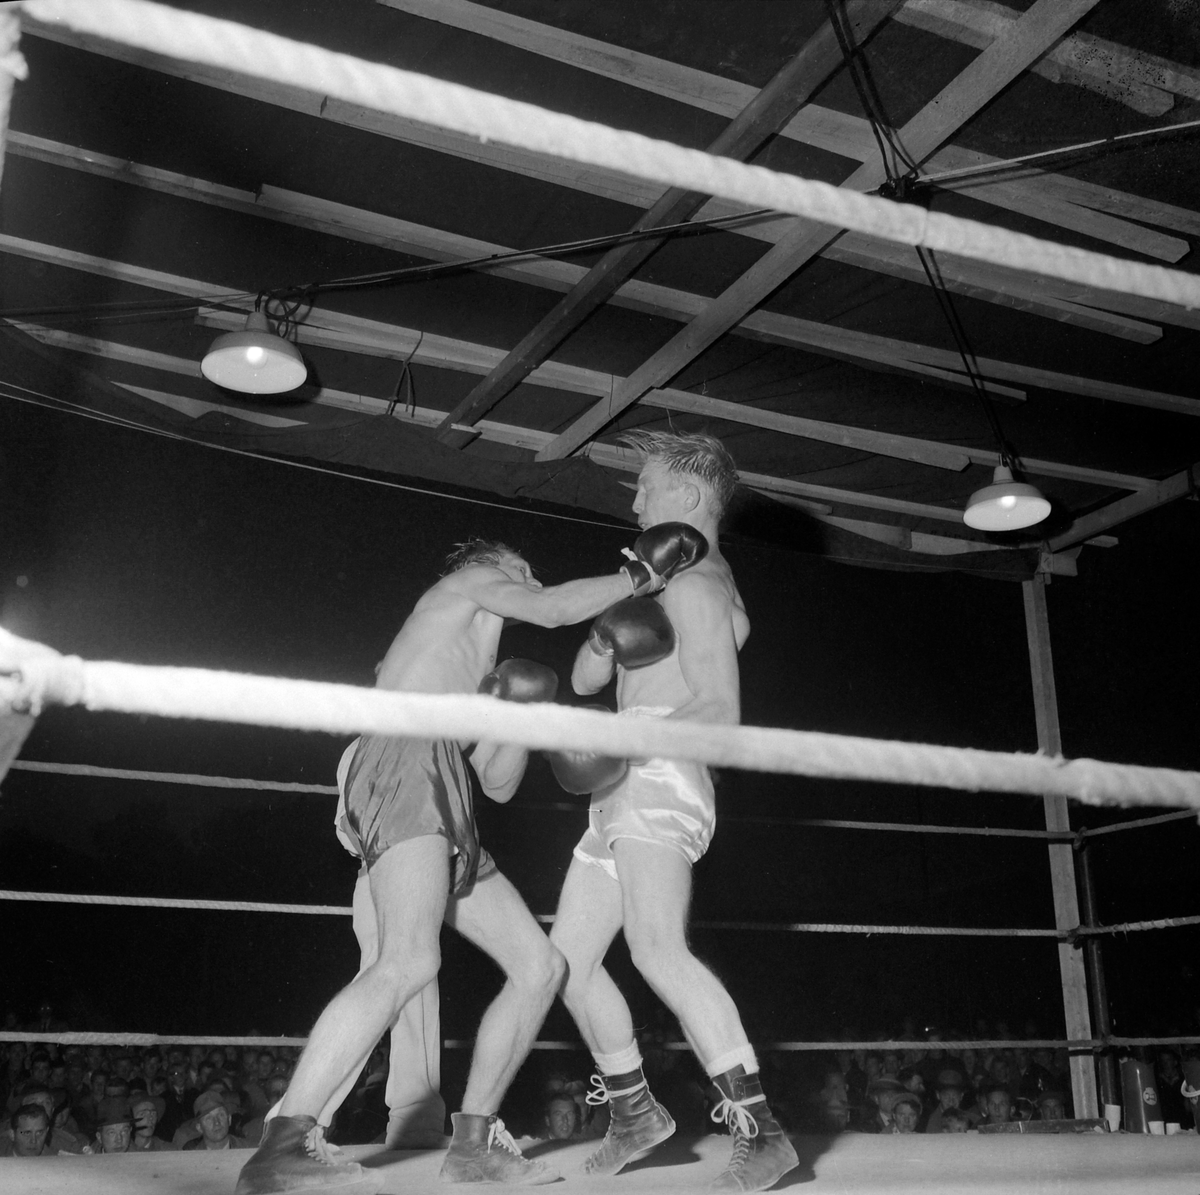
point(114, 1099)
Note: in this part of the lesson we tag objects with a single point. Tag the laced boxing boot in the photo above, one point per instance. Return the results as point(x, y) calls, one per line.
point(294, 1156)
point(637, 1122)
point(482, 1151)
point(762, 1154)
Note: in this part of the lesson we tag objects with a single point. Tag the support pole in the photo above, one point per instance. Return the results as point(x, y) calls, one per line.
point(1062, 862)
point(1106, 1064)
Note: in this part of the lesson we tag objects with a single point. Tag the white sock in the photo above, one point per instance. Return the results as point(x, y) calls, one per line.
point(628, 1059)
point(743, 1056)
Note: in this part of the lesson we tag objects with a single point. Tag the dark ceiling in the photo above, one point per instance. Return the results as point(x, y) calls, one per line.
point(146, 201)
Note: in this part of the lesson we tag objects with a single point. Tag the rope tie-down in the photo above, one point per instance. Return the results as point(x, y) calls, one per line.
point(32, 675)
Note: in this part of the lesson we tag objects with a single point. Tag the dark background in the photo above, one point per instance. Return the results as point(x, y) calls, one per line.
point(122, 545)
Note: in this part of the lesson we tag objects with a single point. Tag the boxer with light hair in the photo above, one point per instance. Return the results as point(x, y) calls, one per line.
point(651, 820)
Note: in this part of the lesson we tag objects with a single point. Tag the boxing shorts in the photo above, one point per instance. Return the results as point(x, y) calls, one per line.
point(668, 802)
point(395, 789)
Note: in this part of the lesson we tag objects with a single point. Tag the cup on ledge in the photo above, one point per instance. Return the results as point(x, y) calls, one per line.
point(1155, 1127)
point(1112, 1113)
point(1173, 1127)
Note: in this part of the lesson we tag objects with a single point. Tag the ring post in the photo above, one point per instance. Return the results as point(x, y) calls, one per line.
point(1062, 862)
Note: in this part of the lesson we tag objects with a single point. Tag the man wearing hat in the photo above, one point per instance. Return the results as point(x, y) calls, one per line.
point(146, 1110)
point(212, 1118)
point(882, 1094)
point(114, 1127)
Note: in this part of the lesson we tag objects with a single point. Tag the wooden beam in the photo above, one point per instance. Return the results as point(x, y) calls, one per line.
point(335, 329)
point(1062, 862)
point(984, 78)
point(863, 348)
point(763, 116)
point(1085, 527)
point(620, 188)
point(1142, 81)
point(825, 128)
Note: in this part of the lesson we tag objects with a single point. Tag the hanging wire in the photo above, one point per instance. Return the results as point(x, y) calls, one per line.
point(303, 294)
point(1079, 149)
point(901, 187)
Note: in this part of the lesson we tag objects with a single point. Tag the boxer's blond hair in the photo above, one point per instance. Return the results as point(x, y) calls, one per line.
point(694, 455)
point(476, 551)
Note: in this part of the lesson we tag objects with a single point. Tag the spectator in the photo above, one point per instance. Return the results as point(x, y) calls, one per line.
point(66, 1135)
point(87, 1107)
point(30, 1133)
point(954, 1120)
point(997, 1105)
point(1028, 1076)
point(252, 1131)
point(145, 1119)
point(561, 1120)
point(906, 1112)
point(212, 1117)
point(179, 1098)
point(950, 1094)
point(1051, 1105)
point(31, 1093)
point(115, 1129)
point(882, 1094)
point(1170, 1079)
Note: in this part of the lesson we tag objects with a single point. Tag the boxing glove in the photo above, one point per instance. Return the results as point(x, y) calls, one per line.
point(635, 631)
point(662, 551)
point(521, 680)
point(584, 772)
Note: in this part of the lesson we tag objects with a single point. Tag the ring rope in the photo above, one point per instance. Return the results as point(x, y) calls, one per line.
point(95, 770)
point(796, 927)
point(32, 674)
point(72, 1038)
point(229, 46)
point(330, 790)
point(199, 781)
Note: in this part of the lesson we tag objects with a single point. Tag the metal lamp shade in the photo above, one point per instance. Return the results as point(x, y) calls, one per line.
point(254, 361)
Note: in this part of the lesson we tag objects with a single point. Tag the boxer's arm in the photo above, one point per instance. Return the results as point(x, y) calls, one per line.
point(500, 768)
point(543, 606)
point(591, 671)
point(701, 612)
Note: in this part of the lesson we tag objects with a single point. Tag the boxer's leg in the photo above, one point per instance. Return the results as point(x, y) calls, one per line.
point(656, 882)
point(589, 915)
point(493, 917)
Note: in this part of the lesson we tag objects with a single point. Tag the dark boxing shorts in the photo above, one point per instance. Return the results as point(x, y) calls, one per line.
point(397, 789)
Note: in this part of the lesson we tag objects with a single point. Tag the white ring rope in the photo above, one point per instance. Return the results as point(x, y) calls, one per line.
point(72, 1038)
point(793, 927)
point(229, 46)
point(32, 674)
point(196, 780)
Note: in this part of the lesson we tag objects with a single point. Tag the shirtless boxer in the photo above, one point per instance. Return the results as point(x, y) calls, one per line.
point(632, 869)
point(409, 817)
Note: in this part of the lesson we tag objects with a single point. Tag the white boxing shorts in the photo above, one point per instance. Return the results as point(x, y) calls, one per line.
point(667, 802)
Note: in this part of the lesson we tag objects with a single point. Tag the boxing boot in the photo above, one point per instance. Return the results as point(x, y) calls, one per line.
point(762, 1154)
point(637, 1121)
point(482, 1151)
point(293, 1156)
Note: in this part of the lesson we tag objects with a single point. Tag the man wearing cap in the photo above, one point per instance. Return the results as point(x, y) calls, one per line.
point(145, 1118)
point(212, 1118)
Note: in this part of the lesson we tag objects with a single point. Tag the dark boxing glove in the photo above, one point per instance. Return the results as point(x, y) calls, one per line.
point(521, 680)
point(661, 552)
point(583, 772)
point(635, 631)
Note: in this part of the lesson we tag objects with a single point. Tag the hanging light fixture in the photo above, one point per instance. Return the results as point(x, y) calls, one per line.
point(254, 361)
point(1006, 504)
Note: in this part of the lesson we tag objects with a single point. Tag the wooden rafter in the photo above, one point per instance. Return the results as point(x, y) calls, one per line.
point(620, 188)
point(995, 67)
point(764, 115)
point(336, 329)
point(1057, 199)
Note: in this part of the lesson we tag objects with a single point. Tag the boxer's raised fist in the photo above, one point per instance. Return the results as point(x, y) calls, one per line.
point(661, 552)
point(521, 680)
point(635, 631)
